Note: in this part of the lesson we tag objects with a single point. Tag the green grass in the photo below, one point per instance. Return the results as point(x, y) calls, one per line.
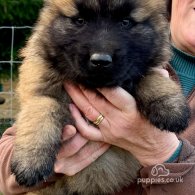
point(4, 124)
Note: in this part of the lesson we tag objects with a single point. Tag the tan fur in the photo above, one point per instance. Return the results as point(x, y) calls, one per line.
point(37, 112)
point(145, 9)
point(160, 91)
point(158, 85)
point(32, 79)
point(106, 181)
point(67, 7)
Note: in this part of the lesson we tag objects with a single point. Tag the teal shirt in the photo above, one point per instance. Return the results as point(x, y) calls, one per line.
point(184, 65)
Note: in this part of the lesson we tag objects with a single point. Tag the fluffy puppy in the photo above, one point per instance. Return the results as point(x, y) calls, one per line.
point(96, 43)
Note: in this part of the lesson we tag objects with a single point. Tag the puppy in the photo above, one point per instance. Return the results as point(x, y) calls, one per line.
point(96, 43)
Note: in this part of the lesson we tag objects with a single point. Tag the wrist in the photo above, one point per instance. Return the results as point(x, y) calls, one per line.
point(176, 154)
point(160, 153)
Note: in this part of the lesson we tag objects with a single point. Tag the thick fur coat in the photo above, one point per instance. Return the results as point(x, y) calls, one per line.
point(96, 43)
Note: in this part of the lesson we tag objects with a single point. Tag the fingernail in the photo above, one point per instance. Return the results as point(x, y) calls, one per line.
point(72, 107)
point(67, 85)
point(68, 132)
point(82, 88)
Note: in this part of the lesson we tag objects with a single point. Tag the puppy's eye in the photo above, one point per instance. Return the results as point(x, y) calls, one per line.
point(126, 23)
point(79, 21)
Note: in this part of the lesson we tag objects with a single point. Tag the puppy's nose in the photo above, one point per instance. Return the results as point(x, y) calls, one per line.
point(101, 60)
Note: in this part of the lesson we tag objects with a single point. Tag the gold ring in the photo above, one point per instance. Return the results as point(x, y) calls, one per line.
point(99, 119)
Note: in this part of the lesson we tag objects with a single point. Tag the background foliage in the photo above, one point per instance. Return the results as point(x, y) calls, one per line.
point(15, 13)
point(19, 12)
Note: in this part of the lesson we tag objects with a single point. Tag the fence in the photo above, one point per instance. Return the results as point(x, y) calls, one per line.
point(8, 110)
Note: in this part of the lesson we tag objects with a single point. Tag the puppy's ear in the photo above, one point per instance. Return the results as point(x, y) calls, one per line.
point(46, 1)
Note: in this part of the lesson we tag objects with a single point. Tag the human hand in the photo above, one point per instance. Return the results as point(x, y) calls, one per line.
point(123, 125)
point(77, 152)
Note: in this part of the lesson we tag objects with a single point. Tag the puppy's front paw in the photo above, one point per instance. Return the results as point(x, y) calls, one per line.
point(31, 168)
point(169, 113)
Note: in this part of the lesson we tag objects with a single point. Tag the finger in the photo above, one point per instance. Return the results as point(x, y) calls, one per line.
point(88, 155)
point(162, 71)
point(68, 132)
point(86, 130)
point(81, 160)
point(81, 101)
point(72, 146)
point(119, 98)
point(99, 102)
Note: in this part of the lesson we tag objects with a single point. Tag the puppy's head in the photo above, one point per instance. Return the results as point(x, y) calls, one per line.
point(103, 42)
